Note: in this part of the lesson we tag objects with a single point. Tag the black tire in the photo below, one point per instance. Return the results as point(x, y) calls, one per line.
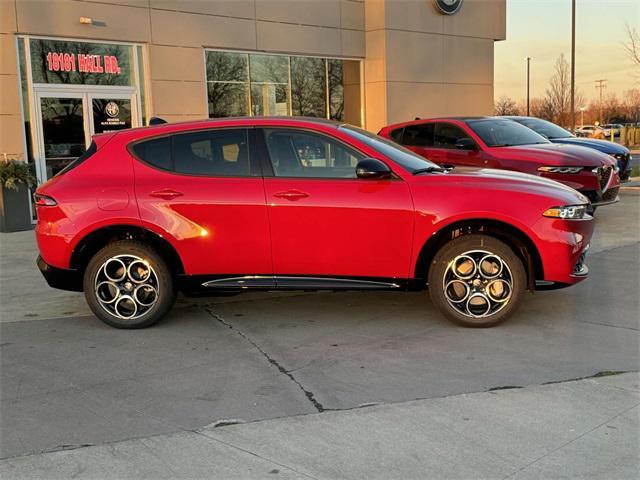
point(514, 275)
point(159, 284)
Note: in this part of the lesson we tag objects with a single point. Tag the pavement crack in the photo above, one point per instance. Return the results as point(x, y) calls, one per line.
point(309, 394)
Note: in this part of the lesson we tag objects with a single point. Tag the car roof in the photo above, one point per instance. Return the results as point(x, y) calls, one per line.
point(419, 121)
point(161, 128)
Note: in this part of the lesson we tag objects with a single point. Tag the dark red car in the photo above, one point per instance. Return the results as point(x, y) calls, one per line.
point(285, 203)
point(502, 143)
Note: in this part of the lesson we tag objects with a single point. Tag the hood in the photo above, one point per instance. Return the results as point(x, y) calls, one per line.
point(604, 146)
point(555, 154)
point(492, 179)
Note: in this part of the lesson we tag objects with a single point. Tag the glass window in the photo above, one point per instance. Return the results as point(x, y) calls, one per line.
point(504, 133)
point(227, 84)
point(544, 127)
point(446, 135)
point(396, 135)
point(61, 61)
point(156, 152)
point(418, 135)
point(260, 84)
point(296, 153)
point(269, 84)
point(212, 152)
point(308, 82)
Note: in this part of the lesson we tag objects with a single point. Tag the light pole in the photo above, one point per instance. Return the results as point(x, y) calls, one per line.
point(582, 109)
point(528, 86)
point(573, 65)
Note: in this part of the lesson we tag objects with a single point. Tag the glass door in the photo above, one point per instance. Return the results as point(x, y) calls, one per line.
point(67, 120)
point(112, 112)
point(63, 133)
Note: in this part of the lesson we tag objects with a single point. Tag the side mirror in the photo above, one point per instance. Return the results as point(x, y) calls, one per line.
point(372, 169)
point(466, 143)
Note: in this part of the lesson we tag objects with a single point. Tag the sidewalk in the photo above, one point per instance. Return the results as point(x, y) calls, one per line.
point(576, 429)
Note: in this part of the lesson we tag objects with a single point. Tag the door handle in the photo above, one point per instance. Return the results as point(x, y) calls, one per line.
point(291, 195)
point(166, 194)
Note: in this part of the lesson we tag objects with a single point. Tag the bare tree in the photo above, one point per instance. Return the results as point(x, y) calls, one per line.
point(633, 44)
point(632, 104)
point(542, 108)
point(558, 95)
point(506, 106)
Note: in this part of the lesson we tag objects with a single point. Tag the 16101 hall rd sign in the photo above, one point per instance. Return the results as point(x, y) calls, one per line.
point(70, 62)
point(80, 63)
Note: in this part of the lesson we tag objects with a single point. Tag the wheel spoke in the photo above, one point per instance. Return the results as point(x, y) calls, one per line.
point(126, 286)
point(477, 284)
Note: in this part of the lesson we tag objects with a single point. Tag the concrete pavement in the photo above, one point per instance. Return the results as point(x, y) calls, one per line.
point(585, 429)
point(67, 380)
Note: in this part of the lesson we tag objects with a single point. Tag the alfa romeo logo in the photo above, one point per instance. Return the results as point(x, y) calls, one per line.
point(112, 109)
point(448, 6)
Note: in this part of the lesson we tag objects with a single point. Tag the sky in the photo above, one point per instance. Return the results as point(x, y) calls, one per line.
point(541, 29)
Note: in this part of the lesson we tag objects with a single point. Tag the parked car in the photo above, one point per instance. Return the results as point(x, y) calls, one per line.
point(590, 131)
point(234, 205)
point(500, 143)
point(558, 134)
point(613, 128)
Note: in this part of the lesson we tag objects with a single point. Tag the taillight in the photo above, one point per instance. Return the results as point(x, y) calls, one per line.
point(44, 200)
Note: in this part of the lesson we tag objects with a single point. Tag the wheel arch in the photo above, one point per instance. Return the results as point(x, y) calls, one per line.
point(516, 239)
point(91, 243)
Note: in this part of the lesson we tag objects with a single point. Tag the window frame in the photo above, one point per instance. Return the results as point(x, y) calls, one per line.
point(267, 164)
point(255, 166)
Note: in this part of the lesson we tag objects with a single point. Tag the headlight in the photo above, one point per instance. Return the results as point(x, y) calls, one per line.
point(570, 212)
point(560, 169)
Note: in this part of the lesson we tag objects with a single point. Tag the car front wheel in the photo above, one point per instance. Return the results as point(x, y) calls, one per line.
point(477, 281)
point(128, 285)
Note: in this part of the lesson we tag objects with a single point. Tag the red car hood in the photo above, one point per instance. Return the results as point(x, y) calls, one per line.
point(555, 154)
point(517, 182)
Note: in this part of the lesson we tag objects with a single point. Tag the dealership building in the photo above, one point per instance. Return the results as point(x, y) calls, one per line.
point(72, 68)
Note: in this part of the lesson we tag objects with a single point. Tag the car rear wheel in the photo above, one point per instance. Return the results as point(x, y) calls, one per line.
point(128, 285)
point(477, 281)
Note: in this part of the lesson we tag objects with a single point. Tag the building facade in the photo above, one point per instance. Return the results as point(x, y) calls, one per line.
point(72, 68)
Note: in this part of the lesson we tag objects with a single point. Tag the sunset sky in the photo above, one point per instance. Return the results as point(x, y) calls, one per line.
point(541, 29)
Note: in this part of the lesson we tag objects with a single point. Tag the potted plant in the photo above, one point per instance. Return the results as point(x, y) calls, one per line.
point(16, 179)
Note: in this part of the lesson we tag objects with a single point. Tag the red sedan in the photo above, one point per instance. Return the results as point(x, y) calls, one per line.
point(285, 203)
point(505, 144)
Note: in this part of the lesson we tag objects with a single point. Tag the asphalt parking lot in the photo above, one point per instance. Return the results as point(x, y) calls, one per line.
point(67, 380)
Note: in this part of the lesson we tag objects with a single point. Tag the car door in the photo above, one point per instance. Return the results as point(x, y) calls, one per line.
point(325, 222)
point(446, 139)
point(202, 189)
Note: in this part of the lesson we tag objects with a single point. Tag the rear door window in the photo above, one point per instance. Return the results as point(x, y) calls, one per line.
point(418, 135)
point(212, 153)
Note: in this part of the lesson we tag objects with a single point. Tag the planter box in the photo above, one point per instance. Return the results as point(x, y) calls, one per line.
point(15, 214)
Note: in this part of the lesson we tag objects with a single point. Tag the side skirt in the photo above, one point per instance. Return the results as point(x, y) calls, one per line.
point(203, 284)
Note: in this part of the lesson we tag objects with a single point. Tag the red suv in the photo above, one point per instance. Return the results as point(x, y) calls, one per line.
point(505, 144)
point(286, 203)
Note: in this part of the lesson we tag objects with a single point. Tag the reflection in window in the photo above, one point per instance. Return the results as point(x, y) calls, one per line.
point(269, 84)
point(63, 132)
point(308, 82)
point(301, 154)
point(85, 63)
point(260, 84)
point(227, 85)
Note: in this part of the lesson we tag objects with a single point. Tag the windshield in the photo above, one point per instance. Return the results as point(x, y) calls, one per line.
point(408, 160)
point(544, 127)
point(497, 132)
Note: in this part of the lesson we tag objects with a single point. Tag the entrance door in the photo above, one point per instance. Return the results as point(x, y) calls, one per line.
point(68, 119)
point(63, 131)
